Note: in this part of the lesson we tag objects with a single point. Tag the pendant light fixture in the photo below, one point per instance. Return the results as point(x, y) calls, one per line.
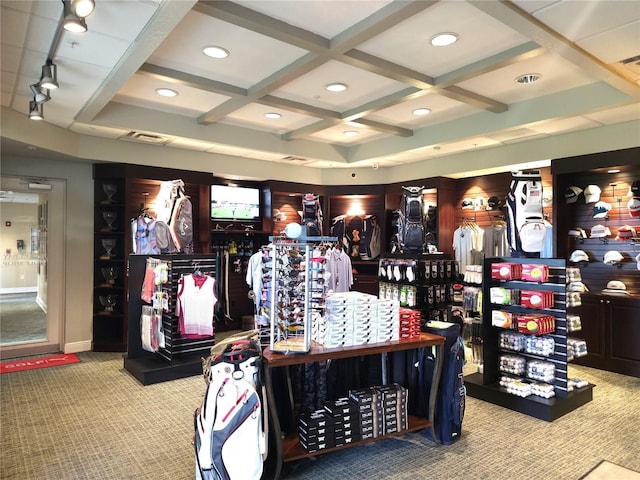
point(83, 8)
point(38, 95)
point(49, 78)
point(36, 110)
point(71, 22)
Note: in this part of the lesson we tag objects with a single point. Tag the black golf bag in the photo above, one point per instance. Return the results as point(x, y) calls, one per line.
point(311, 214)
point(411, 229)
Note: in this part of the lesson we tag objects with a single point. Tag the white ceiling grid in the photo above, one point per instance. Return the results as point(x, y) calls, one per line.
point(284, 53)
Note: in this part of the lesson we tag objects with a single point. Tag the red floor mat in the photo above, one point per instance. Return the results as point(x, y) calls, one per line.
point(20, 364)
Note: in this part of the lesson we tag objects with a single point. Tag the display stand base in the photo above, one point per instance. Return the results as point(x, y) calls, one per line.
point(154, 369)
point(545, 409)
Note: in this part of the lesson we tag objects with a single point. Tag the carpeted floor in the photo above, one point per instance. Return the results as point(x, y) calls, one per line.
point(93, 420)
point(21, 319)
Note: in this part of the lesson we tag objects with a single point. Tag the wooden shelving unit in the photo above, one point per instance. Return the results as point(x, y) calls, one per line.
point(289, 449)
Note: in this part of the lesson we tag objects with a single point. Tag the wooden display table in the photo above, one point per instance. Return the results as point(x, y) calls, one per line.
point(289, 448)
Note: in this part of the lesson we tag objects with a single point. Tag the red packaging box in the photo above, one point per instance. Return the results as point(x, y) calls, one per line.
point(506, 271)
point(532, 272)
point(534, 324)
point(536, 299)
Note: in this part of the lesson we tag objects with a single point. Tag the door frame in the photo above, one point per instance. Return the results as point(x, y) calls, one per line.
point(55, 271)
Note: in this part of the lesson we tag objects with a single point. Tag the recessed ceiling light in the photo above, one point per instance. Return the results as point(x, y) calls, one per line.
point(215, 52)
point(336, 87)
point(614, 170)
point(272, 115)
point(422, 111)
point(444, 39)
point(350, 133)
point(528, 78)
point(166, 92)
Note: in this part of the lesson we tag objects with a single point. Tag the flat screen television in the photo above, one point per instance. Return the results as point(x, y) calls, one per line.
point(235, 203)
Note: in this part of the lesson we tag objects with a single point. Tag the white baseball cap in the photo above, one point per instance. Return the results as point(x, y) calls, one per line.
point(612, 257)
point(579, 256)
point(592, 193)
point(616, 287)
point(600, 231)
point(578, 287)
point(634, 207)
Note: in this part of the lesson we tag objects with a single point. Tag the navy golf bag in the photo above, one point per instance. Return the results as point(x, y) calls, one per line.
point(450, 400)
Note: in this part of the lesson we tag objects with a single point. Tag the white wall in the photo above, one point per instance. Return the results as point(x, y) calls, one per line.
point(73, 281)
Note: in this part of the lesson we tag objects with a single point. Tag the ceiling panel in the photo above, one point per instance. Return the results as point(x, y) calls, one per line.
point(363, 87)
point(408, 43)
point(442, 109)
point(254, 114)
point(616, 44)
point(246, 64)
point(141, 91)
point(134, 47)
point(323, 18)
point(556, 75)
point(578, 20)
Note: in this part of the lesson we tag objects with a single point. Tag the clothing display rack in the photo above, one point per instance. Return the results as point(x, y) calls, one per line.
point(180, 357)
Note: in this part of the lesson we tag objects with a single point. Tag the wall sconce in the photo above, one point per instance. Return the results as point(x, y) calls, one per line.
point(36, 110)
point(49, 78)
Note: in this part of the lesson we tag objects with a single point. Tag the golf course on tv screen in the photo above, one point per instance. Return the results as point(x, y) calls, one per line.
point(235, 203)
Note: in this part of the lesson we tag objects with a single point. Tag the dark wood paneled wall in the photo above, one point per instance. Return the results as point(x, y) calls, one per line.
point(596, 273)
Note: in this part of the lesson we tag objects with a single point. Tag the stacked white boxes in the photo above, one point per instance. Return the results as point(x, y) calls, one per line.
point(365, 311)
point(387, 321)
point(339, 316)
point(356, 318)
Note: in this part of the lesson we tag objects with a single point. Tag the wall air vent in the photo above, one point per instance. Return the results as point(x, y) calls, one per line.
point(141, 137)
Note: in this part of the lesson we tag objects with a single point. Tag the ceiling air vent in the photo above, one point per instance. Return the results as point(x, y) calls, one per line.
point(632, 64)
point(291, 158)
point(141, 137)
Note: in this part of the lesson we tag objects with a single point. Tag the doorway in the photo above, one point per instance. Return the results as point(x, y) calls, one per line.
point(29, 308)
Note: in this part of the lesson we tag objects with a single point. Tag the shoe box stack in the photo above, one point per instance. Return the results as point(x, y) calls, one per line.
point(356, 318)
point(410, 321)
point(367, 401)
point(336, 425)
point(387, 321)
point(315, 431)
point(367, 413)
point(337, 330)
point(365, 311)
point(394, 408)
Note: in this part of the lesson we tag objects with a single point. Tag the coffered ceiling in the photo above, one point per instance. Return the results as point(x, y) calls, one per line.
point(282, 55)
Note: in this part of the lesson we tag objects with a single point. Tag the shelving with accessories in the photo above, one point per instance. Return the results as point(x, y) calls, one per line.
point(598, 228)
point(524, 335)
point(421, 282)
point(110, 244)
point(122, 193)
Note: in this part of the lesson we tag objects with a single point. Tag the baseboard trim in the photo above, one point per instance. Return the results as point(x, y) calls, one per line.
point(76, 347)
